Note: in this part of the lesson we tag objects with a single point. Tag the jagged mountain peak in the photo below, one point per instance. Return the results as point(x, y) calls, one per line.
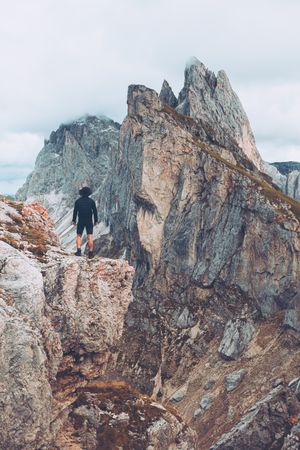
point(222, 79)
point(211, 99)
point(87, 119)
point(196, 72)
point(193, 61)
point(194, 66)
point(167, 95)
point(93, 124)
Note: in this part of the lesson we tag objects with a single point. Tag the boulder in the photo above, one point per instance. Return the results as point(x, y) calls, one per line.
point(236, 337)
point(233, 379)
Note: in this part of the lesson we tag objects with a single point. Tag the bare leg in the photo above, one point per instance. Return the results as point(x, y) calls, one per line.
point(78, 241)
point(90, 242)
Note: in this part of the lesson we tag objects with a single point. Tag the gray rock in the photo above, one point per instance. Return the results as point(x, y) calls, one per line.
point(292, 319)
point(206, 401)
point(211, 98)
point(26, 399)
point(293, 184)
point(197, 413)
point(167, 95)
point(232, 380)
point(286, 167)
point(295, 385)
point(263, 425)
point(287, 179)
point(209, 384)
point(277, 177)
point(179, 394)
point(184, 318)
point(277, 382)
point(237, 335)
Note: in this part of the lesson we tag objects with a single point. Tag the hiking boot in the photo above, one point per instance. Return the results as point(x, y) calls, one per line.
point(78, 253)
point(91, 255)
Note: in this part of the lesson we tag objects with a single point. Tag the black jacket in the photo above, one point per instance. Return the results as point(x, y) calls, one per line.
point(85, 207)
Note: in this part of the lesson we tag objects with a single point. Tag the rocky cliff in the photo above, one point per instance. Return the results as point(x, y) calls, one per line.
point(60, 319)
point(211, 98)
point(211, 327)
point(286, 176)
point(287, 167)
point(216, 289)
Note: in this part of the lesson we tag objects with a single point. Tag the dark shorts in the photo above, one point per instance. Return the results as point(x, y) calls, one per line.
point(83, 225)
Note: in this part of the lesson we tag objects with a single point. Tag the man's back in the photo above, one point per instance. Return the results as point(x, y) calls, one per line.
point(85, 207)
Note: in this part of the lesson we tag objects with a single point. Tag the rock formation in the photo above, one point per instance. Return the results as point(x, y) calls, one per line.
point(287, 167)
point(211, 326)
point(60, 319)
point(286, 176)
point(211, 98)
point(206, 232)
point(167, 95)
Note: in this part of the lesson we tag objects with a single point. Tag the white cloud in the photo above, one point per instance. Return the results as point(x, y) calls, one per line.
point(272, 151)
point(61, 59)
point(274, 110)
point(19, 148)
point(11, 187)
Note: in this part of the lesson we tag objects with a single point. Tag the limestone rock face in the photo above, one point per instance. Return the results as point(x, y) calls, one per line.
point(213, 243)
point(26, 401)
point(262, 427)
point(287, 178)
point(286, 167)
point(168, 180)
point(211, 98)
point(75, 155)
point(293, 184)
point(61, 318)
point(90, 318)
point(216, 251)
point(167, 95)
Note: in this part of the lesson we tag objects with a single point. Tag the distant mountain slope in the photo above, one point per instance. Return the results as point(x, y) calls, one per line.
point(77, 154)
point(286, 167)
point(286, 175)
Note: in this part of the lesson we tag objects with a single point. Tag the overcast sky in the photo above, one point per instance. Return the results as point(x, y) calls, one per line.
point(61, 59)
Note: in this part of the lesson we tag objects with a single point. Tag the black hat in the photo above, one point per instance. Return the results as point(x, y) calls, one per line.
point(85, 191)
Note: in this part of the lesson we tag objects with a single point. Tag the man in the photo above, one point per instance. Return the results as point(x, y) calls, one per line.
point(85, 207)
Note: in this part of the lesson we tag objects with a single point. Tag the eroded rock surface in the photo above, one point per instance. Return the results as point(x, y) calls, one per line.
point(167, 95)
point(211, 98)
point(60, 320)
point(265, 425)
point(287, 179)
point(213, 243)
point(232, 380)
point(113, 415)
point(215, 246)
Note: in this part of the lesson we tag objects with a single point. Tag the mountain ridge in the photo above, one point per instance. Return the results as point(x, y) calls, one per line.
point(211, 322)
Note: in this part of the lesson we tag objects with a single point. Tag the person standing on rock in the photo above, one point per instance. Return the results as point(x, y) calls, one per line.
point(85, 207)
